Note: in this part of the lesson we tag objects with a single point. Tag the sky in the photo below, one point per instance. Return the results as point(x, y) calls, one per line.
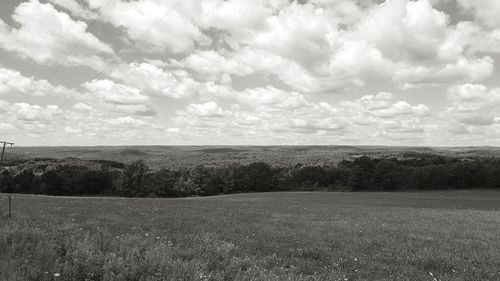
point(239, 72)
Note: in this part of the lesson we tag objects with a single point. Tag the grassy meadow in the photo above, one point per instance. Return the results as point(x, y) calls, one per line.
point(439, 235)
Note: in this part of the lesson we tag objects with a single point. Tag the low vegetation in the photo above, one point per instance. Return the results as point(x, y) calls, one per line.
point(362, 173)
point(438, 235)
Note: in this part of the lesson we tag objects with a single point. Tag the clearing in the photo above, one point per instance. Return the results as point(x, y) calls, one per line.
point(438, 235)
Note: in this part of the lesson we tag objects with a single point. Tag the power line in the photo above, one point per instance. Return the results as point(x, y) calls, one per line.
point(151, 27)
point(77, 43)
point(142, 35)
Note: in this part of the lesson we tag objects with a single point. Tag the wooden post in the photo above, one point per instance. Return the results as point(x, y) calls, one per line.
point(10, 206)
point(3, 150)
point(1, 160)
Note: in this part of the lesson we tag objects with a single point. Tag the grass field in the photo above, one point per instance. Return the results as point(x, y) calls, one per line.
point(448, 235)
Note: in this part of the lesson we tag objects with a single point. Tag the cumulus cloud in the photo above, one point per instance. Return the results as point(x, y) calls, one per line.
point(298, 32)
point(13, 82)
point(75, 8)
point(154, 80)
point(109, 91)
point(30, 113)
point(418, 44)
point(238, 17)
point(479, 39)
point(314, 126)
point(313, 49)
point(474, 105)
point(112, 96)
point(46, 35)
point(208, 109)
point(268, 111)
point(385, 105)
point(253, 70)
point(112, 129)
point(270, 98)
point(155, 25)
point(27, 112)
point(487, 11)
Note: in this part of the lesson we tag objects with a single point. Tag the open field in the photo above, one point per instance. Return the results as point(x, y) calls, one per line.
point(185, 156)
point(448, 235)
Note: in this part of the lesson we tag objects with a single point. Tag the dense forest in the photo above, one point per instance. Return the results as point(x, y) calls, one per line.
point(360, 174)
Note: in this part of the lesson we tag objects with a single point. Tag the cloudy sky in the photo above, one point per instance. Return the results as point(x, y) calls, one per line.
point(117, 72)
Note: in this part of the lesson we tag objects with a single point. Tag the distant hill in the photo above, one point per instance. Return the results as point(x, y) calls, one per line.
point(183, 156)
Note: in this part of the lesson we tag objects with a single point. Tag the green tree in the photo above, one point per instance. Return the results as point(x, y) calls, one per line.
point(6, 181)
point(387, 175)
point(134, 178)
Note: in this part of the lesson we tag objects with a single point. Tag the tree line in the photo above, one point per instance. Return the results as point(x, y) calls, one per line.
point(360, 174)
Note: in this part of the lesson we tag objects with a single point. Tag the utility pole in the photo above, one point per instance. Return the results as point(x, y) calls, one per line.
point(3, 149)
point(1, 160)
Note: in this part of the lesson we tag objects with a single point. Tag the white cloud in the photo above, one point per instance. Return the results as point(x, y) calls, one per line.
point(478, 39)
point(7, 127)
point(312, 49)
point(110, 96)
point(208, 109)
point(238, 17)
point(82, 107)
point(299, 33)
point(49, 36)
point(383, 106)
point(270, 98)
point(487, 11)
point(13, 82)
point(250, 70)
point(402, 108)
point(210, 62)
point(419, 45)
point(156, 25)
point(474, 105)
point(75, 8)
point(151, 79)
point(34, 113)
point(4, 105)
point(111, 92)
point(269, 113)
point(110, 129)
point(127, 122)
point(464, 70)
point(315, 126)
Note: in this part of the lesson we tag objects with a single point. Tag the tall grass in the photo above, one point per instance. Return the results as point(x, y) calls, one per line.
point(269, 236)
point(41, 250)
